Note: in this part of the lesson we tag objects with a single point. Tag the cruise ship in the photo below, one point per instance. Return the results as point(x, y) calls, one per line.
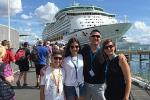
point(79, 20)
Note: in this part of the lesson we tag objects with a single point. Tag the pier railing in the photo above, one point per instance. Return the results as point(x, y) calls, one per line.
point(139, 61)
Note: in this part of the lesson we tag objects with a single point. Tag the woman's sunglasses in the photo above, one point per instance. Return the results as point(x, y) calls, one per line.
point(56, 58)
point(109, 46)
point(72, 47)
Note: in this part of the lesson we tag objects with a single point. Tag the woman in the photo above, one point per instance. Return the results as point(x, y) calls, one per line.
point(51, 87)
point(118, 76)
point(6, 73)
point(9, 55)
point(73, 65)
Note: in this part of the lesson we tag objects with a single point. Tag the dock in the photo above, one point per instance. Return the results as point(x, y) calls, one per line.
point(31, 92)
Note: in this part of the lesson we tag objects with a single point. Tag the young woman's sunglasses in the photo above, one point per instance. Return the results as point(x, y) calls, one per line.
point(56, 58)
point(72, 47)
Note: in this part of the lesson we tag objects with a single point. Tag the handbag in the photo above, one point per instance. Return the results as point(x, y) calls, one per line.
point(6, 90)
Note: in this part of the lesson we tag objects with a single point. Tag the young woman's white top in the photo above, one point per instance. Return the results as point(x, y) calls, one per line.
point(71, 77)
point(48, 81)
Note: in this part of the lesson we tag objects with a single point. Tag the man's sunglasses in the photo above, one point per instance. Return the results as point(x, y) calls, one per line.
point(97, 36)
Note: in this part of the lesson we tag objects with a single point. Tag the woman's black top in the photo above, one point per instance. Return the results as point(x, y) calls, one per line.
point(115, 81)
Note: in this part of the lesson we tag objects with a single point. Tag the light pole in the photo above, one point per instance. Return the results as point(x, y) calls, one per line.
point(8, 20)
point(117, 30)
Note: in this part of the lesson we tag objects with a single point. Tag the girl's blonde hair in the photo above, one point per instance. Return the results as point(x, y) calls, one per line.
point(2, 51)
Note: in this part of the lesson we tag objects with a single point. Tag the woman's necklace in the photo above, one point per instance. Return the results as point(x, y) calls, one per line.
point(56, 78)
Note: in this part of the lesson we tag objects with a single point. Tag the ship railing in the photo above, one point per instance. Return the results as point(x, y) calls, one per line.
point(139, 61)
point(141, 74)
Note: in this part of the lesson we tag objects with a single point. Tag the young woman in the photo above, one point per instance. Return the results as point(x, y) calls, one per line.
point(73, 65)
point(51, 87)
point(118, 76)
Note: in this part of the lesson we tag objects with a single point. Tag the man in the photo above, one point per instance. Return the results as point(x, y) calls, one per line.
point(43, 54)
point(23, 64)
point(94, 71)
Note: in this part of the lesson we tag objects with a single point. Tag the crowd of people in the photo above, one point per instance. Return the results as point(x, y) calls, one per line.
point(93, 72)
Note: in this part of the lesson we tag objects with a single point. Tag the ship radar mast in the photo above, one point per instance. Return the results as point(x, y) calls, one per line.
point(74, 3)
point(125, 18)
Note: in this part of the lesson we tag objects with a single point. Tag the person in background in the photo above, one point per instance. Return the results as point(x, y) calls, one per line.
point(55, 47)
point(118, 76)
point(9, 56)
point(94, 71)
point(24, 65)
point(43, 54)
point(51, 87)
point(73, 65)
point(47, 45)
point(7, 71)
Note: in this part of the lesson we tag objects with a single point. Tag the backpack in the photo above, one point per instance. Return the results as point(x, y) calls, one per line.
point(6, 90)
point(34, 56)
point(20, 56)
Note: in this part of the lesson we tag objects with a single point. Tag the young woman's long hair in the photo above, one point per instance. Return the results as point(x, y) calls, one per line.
point(67, 49)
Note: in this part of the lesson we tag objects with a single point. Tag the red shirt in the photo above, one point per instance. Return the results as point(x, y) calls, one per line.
point(9, 56)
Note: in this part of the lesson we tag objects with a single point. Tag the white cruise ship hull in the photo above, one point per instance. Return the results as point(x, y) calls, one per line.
point(113, 31)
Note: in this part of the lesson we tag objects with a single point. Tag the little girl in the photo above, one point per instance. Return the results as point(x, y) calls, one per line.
point(51, 87)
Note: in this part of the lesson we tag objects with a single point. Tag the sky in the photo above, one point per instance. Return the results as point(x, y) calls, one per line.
point(30, 16)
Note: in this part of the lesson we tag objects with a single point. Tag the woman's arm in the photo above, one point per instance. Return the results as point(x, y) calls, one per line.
point(9, 79)
point(42, 96)
point(127, 75)
point(8, 73)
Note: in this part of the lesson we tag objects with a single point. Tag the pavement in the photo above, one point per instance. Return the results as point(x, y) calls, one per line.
point(29, 92)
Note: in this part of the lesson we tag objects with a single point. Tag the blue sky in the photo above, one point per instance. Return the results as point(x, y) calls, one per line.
point(30, 16)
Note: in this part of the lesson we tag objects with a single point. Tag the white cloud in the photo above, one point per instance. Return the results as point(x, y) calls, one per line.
point(26, 17)
point(47, 12)
point(142, 26)
point(139, 32)
point(15, 7)
point(29, 24)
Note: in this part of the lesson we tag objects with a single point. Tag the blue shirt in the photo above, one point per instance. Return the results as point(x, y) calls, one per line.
point(43, 54)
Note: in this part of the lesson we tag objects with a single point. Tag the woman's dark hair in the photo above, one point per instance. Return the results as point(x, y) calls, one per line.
point(5, 43)
point(67, 49)
point(105, 42)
